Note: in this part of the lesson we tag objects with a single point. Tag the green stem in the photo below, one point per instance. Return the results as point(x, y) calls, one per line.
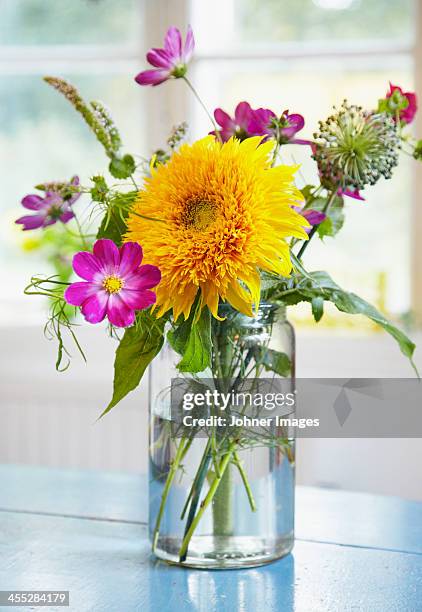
point(170, 477)
point(214, 452)
point(244, 477)
point(187, 447)
point(210, 117)
point(78, 235)
point(206, 502)
point(147, 218)
point(222, 505)
point(195, 493)
point(276, 148)
point(330, 200)
point(134, 182)
point(203, 465)
point(84, 242)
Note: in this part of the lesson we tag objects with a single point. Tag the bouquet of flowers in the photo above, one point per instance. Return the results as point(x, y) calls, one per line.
point(201, 237)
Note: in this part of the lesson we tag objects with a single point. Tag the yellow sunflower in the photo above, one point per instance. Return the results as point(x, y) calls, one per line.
point(221, 213)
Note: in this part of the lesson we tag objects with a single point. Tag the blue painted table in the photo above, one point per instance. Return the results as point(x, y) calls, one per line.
point(86, 532)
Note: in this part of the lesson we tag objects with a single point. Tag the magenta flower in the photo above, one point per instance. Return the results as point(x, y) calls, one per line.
point(259, 122)
point(262, 122)
point(351, 193)
point(399, 97)
point(169, 62)
point(54, 206)
point(117, 285)
point(314, 217)
point(265, 122)
point(238, 125)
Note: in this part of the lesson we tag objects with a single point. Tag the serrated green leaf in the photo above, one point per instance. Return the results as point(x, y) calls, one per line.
point(322, 286)
point(122, 167)
point(192, 340)
point(113, 227)
point(138, 347)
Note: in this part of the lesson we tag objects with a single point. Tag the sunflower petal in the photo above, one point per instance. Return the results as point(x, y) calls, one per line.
point(239, 299)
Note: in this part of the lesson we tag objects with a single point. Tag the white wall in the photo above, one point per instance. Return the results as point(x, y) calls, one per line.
point(385, 466)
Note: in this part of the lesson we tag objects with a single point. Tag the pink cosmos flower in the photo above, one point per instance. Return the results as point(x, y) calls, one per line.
point(54, 206)
point(238, 125)
point(169, 62)
point(406, 114)
point(116, 283)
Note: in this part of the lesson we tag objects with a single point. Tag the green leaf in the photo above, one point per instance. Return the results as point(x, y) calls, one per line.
point(113, 226)
point(332, 224)
point(275, 361)
point(307, 193)
point(122, 167)
point(138, 347)
point(334, 221)
point(298, 267)
point(192, 340)
point(417, 152)
point(322, 286)
point(100, 189)
point(317, 308)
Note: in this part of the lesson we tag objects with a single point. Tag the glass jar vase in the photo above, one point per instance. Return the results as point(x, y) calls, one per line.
point(223, 496)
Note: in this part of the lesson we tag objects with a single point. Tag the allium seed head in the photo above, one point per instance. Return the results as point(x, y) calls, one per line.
point(354, 148)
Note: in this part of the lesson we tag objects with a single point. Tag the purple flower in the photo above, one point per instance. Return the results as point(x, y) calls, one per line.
point(314, 217)
point(259, 122)
point(169, 62)
point(265, 122)
point(54, 206)
point(238, 125)
point(116, 283)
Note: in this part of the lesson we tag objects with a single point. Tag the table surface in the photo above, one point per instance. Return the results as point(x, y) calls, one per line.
point(86, 532)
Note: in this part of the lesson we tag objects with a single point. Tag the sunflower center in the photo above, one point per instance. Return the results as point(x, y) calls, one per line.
point(198, 214)
point(112, 284)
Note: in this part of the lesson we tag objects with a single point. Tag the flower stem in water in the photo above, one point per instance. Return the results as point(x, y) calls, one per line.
point(206, 502)
point(172, 472)
point(245, 481)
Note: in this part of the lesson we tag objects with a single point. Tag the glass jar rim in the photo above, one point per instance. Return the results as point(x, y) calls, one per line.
point(265, 310)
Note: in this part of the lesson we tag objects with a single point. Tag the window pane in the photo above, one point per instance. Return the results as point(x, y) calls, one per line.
point(255, 22)
point(372, 250)
point(45, 22)
point(42, 138)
